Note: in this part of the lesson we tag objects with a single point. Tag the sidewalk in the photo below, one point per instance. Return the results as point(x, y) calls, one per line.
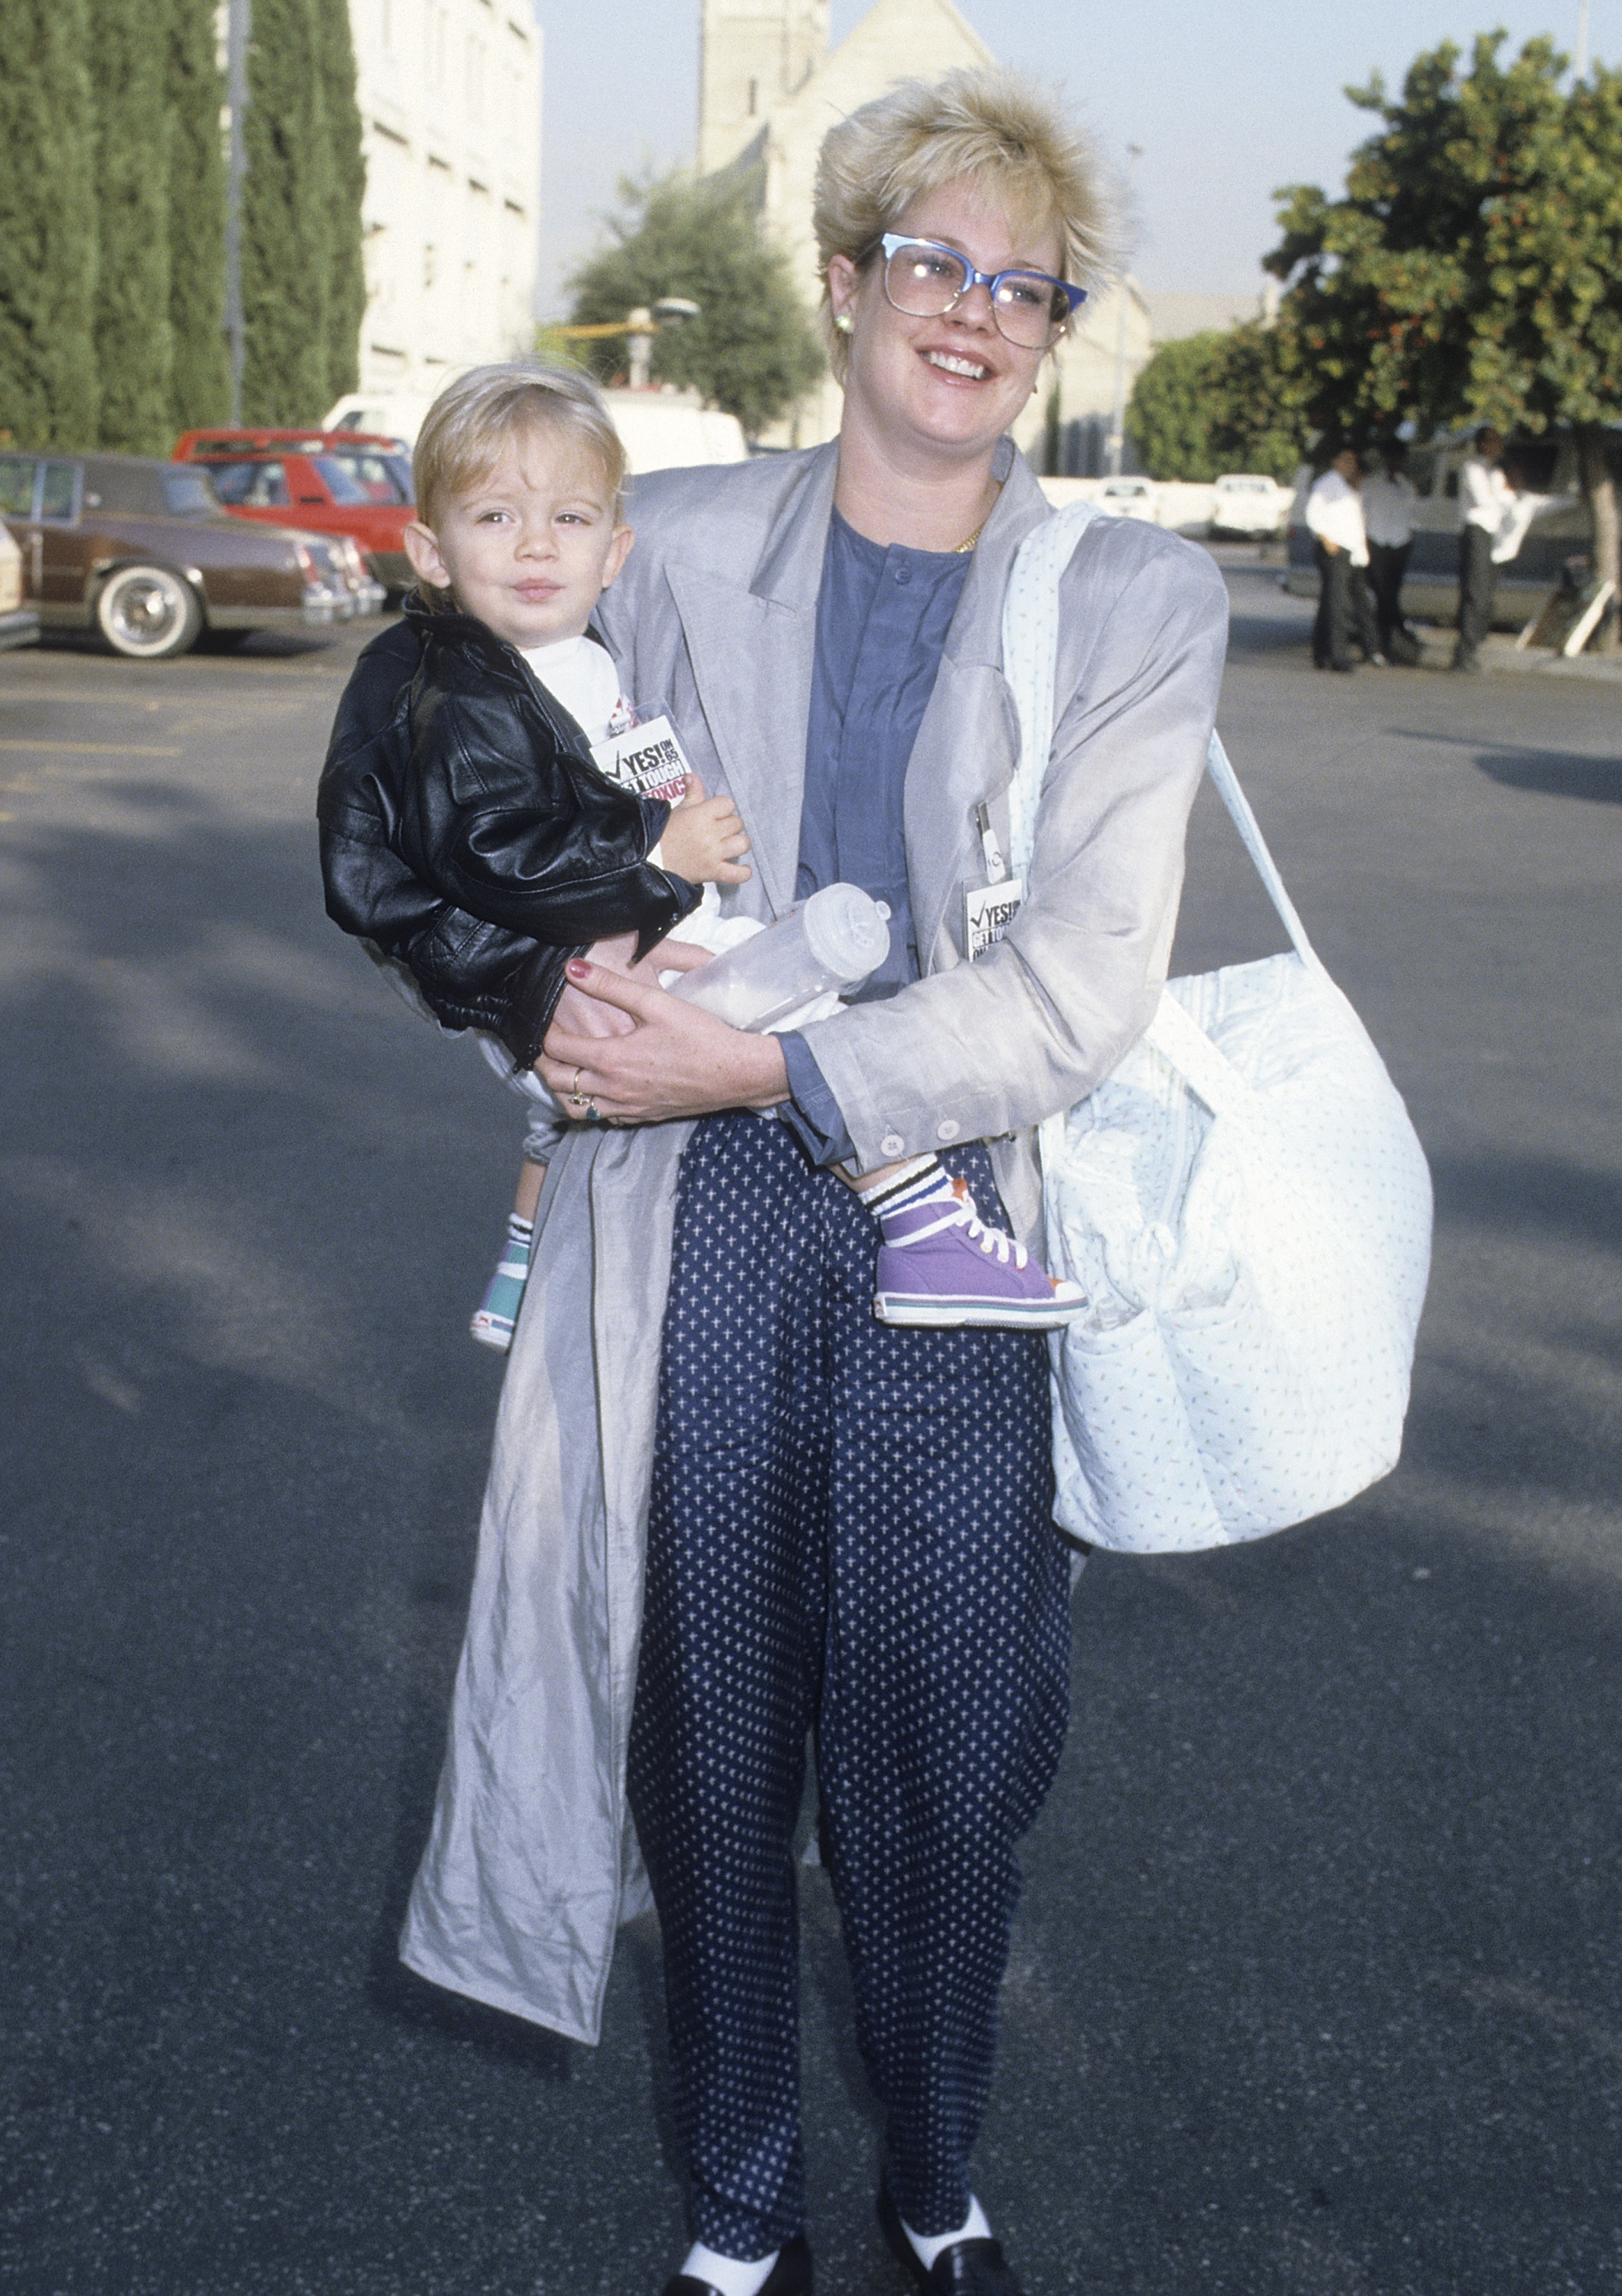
point(1501, 652)
point(1437, 643)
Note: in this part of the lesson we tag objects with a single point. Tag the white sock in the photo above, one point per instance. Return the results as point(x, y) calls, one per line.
point(726, 2272)
point(902, 1181)
point(927, 2246)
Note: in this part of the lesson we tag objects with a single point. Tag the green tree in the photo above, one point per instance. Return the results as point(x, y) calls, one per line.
point(1169, 416)
point(753, 349)
point(200, 379)
point(1215, 402)
point(48, 395)
point(346, 275)
point(1472, 271)
point(1257, 421)
point(133, 344)
point(287, 219)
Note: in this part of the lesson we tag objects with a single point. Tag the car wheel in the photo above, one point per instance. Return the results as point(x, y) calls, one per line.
point(148, 613)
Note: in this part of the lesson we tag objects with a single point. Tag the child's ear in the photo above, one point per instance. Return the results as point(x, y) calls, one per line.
point(423, 552)
point(620, 550)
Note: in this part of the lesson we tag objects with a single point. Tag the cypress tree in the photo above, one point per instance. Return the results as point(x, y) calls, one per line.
point(133, 347)
point(47, 226)
point(288, 202)
point(200, 380)
point(347, 280)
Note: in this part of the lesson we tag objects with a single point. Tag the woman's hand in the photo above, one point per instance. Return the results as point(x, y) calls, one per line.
point(589, 1016)
point(676, 1060)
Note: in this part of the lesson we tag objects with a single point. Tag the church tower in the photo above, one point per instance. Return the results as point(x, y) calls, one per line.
point(755, 52)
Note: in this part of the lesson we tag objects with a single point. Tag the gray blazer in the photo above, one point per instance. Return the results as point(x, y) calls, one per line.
point(532, 1860)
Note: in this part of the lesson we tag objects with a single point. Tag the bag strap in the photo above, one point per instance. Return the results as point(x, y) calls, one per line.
point(1030, 653)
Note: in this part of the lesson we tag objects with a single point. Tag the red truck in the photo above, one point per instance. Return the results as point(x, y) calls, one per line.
point(332, 481)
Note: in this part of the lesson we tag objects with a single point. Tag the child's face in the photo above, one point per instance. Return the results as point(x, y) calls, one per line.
point(531, 549)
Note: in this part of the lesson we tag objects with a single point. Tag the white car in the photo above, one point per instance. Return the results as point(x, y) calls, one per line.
point(19, 624)
point(1130, 498)
point(1249, 505)
point(661, 429)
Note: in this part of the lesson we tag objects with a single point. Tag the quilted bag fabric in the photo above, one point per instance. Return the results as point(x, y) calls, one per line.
point(1244, 1202)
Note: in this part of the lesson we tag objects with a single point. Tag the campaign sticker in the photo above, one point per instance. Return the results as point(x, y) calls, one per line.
point(989, 910)
point(647, 759)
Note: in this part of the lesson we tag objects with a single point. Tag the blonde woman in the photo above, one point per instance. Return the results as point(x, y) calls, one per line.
point(749, 1512)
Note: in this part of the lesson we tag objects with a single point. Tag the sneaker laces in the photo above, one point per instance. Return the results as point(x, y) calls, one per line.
point(991, 1239)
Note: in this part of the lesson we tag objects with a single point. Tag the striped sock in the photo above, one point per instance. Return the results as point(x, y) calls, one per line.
point(912, 1183)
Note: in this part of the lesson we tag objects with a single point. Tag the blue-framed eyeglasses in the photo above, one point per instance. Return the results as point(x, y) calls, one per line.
point(924, 278)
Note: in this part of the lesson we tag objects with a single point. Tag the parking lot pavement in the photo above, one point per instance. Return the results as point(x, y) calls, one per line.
point(1315, 1987)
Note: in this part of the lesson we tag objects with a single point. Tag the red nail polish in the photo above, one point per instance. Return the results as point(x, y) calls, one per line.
point(576, 968)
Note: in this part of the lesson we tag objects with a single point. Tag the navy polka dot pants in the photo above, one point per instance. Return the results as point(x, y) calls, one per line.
point(850, 1534)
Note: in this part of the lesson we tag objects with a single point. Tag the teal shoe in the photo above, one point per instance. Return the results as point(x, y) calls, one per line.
point(496, 1313)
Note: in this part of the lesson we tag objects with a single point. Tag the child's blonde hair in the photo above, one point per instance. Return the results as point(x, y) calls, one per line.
point(477, 417)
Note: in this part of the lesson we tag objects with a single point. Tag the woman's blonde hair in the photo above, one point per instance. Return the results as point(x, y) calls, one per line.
point(477, 417)
point(1004, 134)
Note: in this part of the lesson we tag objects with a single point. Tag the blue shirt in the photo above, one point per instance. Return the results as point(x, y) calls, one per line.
point(882, 621)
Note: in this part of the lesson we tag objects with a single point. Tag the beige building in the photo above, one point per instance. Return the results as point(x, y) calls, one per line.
point(450, 104)
point(769, 90)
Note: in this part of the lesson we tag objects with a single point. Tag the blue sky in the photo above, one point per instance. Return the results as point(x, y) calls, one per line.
point(1228, 99)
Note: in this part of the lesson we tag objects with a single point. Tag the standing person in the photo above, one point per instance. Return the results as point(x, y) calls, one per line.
point(493, 802)
point(1335, 518)
point(1486, 501)
point(743, 1509)
point(1388, 519)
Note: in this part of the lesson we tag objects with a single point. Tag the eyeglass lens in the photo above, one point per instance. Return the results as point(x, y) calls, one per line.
point(925, 282)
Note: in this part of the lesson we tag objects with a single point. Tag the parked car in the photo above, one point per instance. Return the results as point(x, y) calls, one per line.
point(662, 430)
point(1180, 507)
point(1129, 498)
point(1561, 530)
point(142, 552)
point(1246, 504)
point(349, 482)
point(19, 624)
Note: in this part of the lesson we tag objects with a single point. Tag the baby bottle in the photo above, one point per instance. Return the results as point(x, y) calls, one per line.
point(831, 942)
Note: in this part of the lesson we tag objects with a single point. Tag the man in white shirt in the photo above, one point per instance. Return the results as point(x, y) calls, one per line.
point(1486, 500)
point(1335, 518)
point(1387, 518)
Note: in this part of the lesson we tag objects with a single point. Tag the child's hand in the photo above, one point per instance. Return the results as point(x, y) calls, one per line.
point(703, 838)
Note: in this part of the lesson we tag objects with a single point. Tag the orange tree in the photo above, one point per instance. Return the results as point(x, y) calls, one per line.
point(1471, 270)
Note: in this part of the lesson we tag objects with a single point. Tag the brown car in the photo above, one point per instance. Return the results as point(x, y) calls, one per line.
point(142, 552)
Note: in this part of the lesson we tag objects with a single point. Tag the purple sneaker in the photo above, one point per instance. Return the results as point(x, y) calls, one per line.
point(940, 1266)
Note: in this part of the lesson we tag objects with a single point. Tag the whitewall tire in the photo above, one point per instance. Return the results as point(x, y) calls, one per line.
point(148, 612)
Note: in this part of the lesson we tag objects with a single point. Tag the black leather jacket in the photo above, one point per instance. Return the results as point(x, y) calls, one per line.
point(466, 834)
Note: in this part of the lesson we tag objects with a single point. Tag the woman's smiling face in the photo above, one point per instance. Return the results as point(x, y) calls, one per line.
point(953, 384)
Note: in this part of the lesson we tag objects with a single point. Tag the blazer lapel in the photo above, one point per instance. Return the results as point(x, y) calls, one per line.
point(751, 645)
point(967, 742)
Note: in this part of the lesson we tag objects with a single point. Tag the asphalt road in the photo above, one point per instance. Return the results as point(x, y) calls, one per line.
point(1316, 1987)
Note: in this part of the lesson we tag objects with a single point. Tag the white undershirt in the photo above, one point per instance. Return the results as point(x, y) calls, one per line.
point(581, 674)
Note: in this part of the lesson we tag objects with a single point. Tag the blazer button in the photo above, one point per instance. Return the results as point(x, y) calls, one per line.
point(947, 1130)
point(892, 1145)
